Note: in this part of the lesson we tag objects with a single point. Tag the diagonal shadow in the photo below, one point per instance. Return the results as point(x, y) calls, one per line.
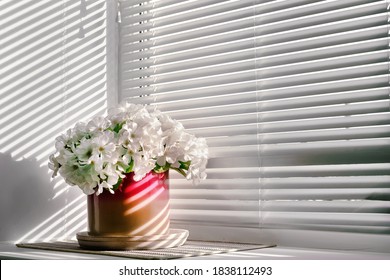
point(52, 74)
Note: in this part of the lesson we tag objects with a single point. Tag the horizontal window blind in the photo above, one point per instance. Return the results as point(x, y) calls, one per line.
point(292, 97)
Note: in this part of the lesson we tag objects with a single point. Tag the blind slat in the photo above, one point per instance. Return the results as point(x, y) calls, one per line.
point(299, 136)
point(318, 147)
point(338, 206)
point(299, 170)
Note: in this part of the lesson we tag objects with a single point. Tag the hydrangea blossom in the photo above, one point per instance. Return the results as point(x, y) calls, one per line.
point(97, 155)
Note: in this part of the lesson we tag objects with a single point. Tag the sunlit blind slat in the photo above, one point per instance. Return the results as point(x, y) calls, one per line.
point(292, 96)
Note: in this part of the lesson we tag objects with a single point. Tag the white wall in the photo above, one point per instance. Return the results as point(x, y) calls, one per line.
point(53, 73)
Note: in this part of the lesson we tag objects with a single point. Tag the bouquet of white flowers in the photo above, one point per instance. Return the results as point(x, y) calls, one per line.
point(97, 155)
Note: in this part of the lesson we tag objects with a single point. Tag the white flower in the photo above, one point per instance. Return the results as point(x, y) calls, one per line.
point(142, 166)
point(78, 132)
point(82, 176)
point(104, 147)
point(62, 140)
point(130, 135)
point(84, 151)
point(98, 124)
point(169, 125)
point(104, 185)
point(66, 156)
point(171, 154)
point(54, 165)
point(97, 155)
point(198, 154)
point(109, 174)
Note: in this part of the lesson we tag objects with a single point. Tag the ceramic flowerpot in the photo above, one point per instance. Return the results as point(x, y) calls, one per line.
point(135, 209)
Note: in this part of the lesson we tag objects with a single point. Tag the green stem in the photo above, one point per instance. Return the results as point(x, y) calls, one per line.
point(180, 171)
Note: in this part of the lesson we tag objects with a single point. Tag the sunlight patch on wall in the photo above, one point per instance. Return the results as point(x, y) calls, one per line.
point(52, 75)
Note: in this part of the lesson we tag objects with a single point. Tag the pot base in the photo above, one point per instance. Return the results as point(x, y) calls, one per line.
point(174, 238)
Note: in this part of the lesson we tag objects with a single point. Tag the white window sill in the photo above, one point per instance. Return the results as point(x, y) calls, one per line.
point(10, 251)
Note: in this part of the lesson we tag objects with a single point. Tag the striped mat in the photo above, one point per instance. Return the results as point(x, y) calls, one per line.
point(189, 249)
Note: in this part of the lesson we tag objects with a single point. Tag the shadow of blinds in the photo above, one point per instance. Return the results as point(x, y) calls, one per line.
point(52, 74)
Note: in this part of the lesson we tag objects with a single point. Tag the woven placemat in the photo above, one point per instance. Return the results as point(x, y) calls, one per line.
point(189, 249)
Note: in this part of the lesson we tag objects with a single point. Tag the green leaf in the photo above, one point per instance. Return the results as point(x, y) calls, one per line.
point(127, 168)
point(116, 186)
point(181, 171)
point(161, 169)
point(185, 165)
point(117, 127)
point(130, 167)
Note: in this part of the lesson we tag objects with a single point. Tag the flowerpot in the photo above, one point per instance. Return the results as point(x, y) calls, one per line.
point(137, 208)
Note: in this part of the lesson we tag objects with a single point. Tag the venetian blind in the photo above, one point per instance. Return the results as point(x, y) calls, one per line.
point(293, 98)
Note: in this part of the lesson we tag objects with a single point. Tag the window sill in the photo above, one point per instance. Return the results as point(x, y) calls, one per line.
point(10, 251)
